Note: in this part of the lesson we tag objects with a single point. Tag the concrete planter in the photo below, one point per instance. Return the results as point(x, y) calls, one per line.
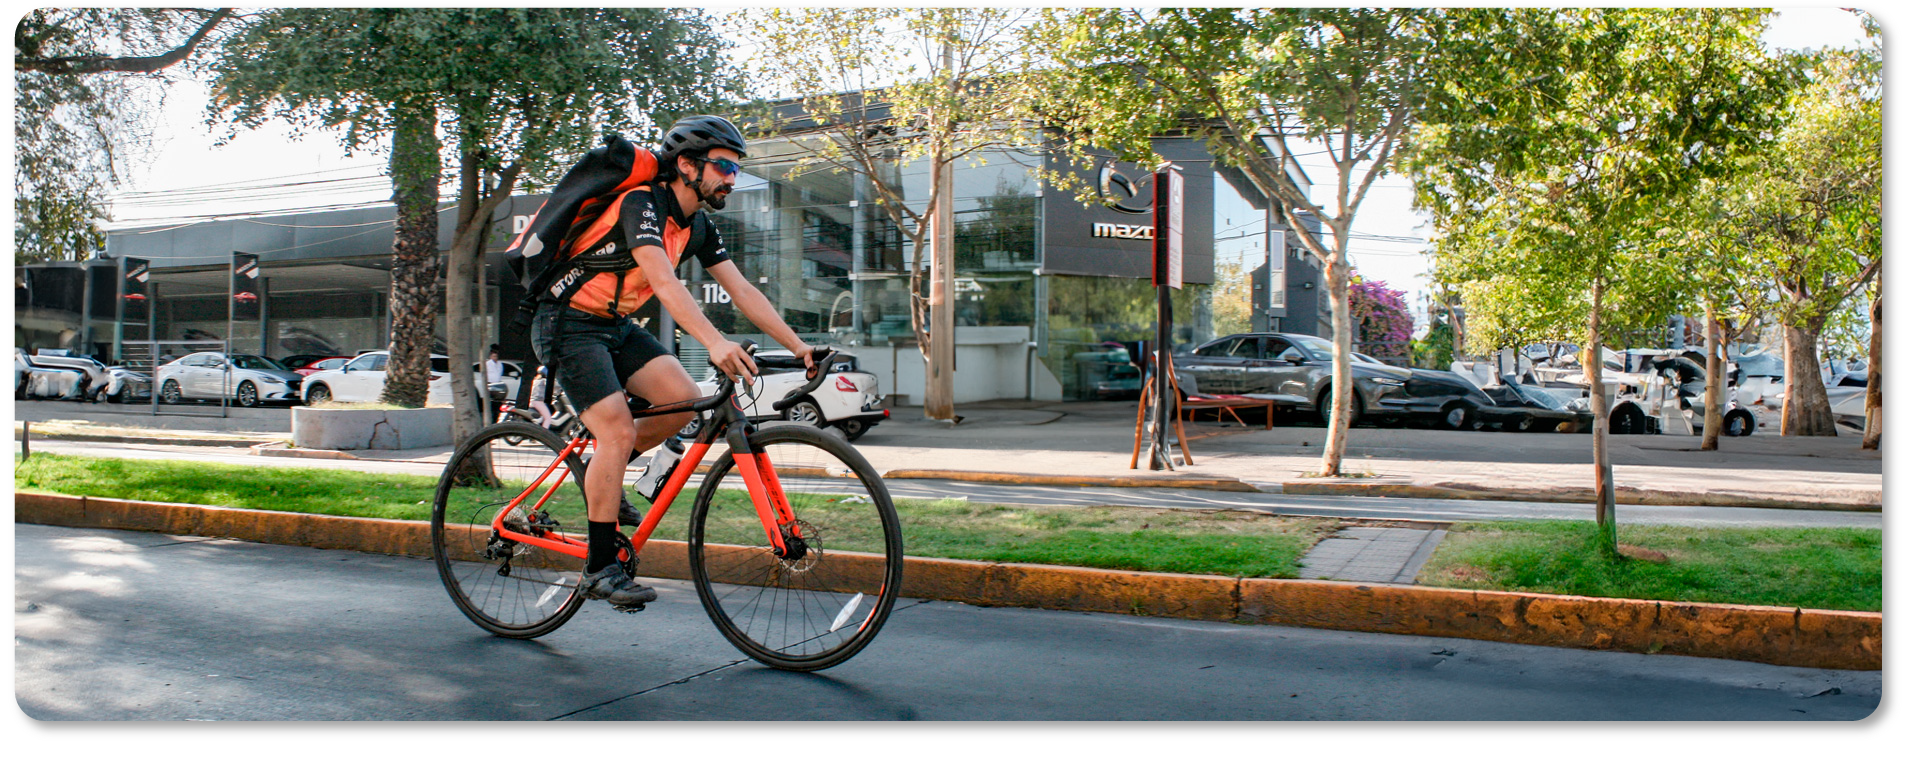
point(372, 429)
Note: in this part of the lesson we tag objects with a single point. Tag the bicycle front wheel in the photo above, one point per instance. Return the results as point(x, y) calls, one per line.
point(509, 588)
point(818, 609)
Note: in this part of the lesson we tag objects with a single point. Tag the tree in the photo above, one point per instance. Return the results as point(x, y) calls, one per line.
point(1381, 320)
point(1264, 87)
point(1719, 273)
point(1810, 212)
point(517, 88)
point(1611, 117)
point(878, 88)
point(531, 89)
point(79, 108)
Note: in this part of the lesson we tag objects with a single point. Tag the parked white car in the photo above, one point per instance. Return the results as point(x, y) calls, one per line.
point(249, 380)
point(50, 374)
point(849, 399)
point(363, 378)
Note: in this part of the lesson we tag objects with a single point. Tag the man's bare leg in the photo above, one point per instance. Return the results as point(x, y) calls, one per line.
point(663, 381)
point(613, 431)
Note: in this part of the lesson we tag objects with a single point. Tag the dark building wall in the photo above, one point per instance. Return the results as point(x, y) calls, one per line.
point(1069, 247)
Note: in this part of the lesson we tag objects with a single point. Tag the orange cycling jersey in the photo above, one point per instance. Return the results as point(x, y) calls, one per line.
point(602, 252)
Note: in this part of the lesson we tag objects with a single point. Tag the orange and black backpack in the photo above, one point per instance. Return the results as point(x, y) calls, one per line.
point(538, 254)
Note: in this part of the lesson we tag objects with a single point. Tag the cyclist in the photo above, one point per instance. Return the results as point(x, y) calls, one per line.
point(625, 258)
point(537, 397)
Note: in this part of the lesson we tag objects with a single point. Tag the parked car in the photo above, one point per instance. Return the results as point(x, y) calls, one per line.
point(34, 381)
point(48, 374)
point(1523, 407)
point(362, 379)
point(319, 364)
point(1296, 372)
point(247, 379)
point(849, 398)
point(297, 361)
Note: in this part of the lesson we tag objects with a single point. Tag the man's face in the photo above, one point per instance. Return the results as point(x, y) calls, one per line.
point(710, 184)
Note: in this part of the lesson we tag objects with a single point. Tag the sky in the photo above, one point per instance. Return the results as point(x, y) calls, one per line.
point(188, 175)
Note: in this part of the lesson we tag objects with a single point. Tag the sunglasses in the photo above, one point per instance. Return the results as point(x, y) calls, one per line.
point(726, 166)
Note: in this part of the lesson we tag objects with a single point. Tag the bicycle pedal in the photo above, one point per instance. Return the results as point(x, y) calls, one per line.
point(630, 609)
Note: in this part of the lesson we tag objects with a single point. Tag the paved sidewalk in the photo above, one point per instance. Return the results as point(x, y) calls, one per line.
point(1370, 553)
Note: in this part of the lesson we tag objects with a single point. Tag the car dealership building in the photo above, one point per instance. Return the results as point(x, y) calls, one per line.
point(1045, 285)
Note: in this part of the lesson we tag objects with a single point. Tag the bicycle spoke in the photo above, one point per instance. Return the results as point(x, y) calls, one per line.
point(507, 587)
point(817, 609)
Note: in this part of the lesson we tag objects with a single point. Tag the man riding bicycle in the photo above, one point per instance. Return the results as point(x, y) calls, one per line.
point(627, 257)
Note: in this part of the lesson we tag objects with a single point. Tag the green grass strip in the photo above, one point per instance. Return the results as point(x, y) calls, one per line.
point(1828, 568)
point(1225, 543)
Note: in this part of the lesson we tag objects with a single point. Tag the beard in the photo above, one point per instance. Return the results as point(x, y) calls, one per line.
point(715, 199)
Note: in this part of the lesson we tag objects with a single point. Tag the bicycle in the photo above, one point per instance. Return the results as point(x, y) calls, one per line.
point(792, 543)
point(562, 422)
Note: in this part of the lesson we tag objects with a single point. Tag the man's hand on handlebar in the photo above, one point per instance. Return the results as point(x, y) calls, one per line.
point(813, 354)
point(734, 360)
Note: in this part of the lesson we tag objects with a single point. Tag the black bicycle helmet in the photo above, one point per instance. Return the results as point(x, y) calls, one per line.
point(695, 134)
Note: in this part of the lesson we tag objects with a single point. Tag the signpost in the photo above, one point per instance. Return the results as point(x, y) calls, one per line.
point(1168, 210)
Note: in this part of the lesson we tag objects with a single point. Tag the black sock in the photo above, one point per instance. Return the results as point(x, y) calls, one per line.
point(600, 548)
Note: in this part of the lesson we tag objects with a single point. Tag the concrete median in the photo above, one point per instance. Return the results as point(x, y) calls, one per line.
point(1782, 636)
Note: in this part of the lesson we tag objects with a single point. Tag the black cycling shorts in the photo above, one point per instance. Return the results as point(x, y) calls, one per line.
point(591, 356)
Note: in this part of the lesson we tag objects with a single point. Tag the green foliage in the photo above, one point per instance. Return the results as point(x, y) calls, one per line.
point(877, 88)
point(1434, 351)
point(1259, 84)
point(1345, 83)
point(537, 84)
point(1800, 225)
point(75, 135)
point(1551, 188)
point(520, 90)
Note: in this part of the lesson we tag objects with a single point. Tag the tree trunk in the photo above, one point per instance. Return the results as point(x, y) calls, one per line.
point(1715, 399)
point(461, 264)
point(1806, 412)
point(1600, 402)
point(415, 169)
point(940, 349)
point(940, 345)
point(1340, 389)
point(1871, 439)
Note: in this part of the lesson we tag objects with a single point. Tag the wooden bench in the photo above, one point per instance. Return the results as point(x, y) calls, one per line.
point(1192, 403)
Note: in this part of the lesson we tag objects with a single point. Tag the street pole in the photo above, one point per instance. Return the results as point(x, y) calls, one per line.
point(120, 311)
point(1168, 264)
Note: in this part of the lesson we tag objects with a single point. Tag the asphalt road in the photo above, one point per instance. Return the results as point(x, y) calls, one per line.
point(1367, 508)
point(116, 625)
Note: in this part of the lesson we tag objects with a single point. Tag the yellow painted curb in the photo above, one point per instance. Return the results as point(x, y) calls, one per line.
point(1782, 636)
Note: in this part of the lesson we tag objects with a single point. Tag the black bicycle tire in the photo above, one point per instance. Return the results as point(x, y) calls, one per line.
point(516, 415)
point(890, 522)
point(444, 564)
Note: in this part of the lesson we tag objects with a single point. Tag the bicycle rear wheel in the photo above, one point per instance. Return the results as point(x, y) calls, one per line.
point(509, 588)
point(821, 608)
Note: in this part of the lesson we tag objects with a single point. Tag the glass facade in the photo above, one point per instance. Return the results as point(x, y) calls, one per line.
point(838, 266)
point(808, 234)
point(1239, 248)
point(1090, 319)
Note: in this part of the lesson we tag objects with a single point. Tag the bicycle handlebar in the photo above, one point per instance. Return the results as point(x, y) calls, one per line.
point(822, 356)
